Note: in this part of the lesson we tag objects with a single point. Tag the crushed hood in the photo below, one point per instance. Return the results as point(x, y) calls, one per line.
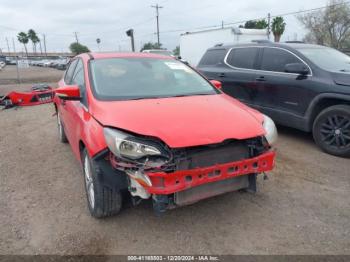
point(182, 121)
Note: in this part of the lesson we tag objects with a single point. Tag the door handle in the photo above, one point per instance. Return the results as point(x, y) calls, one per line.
point(221, 75)
point(260, 79)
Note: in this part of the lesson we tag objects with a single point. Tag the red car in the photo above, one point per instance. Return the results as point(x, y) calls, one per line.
point(147, 126)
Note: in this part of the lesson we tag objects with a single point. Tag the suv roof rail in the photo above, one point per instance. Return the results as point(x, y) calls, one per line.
point(261, 41)
point(219, 44)
point(295, 42)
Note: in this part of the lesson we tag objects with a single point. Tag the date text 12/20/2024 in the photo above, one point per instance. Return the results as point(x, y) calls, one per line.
point(173, 258)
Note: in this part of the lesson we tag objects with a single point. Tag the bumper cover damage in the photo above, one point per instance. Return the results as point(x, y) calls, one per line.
point(193, 174)
point(168, 183)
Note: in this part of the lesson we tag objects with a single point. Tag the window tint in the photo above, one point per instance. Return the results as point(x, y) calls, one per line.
point(213, 57)
point(69, 72)
point(275, 59)
point(242, 57)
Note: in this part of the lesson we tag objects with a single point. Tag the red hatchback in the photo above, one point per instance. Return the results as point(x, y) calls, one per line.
point(148, 126)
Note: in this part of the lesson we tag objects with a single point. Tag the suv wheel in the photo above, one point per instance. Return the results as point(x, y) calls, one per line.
point(331, 130)
point(102, 201)
point(61, 134)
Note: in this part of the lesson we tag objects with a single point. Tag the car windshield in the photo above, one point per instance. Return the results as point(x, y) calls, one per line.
point(327, 58)
point(140, 78)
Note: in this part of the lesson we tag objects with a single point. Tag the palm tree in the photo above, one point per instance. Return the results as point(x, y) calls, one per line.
point(278, 26)
point(34, 38)
point(24, 39)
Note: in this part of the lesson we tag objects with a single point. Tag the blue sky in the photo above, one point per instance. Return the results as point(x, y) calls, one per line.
point(108, 19)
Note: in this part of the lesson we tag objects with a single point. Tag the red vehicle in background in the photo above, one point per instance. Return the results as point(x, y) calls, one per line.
point(147, 126)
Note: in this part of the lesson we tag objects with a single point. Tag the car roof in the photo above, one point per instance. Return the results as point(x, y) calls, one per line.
point(287, 45)
point(125, 55)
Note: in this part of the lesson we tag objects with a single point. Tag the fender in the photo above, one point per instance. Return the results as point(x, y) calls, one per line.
point(92, 135)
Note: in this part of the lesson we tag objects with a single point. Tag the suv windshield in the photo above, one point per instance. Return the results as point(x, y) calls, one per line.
point(327, 58)
point(139, 78)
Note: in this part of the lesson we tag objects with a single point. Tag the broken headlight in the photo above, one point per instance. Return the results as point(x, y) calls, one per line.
point(127, 146)
point(270, 129)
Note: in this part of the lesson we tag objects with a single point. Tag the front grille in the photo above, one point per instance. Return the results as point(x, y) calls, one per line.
point(205, 156)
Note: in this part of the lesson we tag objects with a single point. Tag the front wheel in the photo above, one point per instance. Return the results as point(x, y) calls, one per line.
point(103, 201)
point(331, 130)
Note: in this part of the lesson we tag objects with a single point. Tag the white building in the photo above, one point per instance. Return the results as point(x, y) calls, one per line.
point(194, 44)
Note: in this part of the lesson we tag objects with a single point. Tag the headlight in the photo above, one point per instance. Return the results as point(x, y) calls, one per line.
point(124, 145)
point(271, 130)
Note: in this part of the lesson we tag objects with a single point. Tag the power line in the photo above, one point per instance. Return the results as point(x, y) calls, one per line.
point(243, 21)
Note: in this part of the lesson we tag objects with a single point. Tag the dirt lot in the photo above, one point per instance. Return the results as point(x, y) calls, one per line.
point(8, 77)
point(303, 208)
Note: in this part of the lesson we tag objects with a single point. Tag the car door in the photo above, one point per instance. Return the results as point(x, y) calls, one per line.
point(239, 75)
point(279, 93)
point(64, 82)
point(76, 110)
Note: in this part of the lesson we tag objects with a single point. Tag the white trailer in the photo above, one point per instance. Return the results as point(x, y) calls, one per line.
point(194, 44)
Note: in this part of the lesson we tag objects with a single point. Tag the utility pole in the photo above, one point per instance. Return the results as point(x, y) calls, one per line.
point(222, 24)
point(41, 50)
point(44, 44)
point(14, 51)
point(157, 7)
point(269, 25)
point(8, 46)
point(76, 37)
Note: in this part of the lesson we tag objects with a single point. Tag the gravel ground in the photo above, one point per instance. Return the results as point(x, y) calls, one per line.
point(8, 75)
point(303, 208)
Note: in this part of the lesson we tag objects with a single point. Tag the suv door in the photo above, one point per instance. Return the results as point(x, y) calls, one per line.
point(276, 92)
point(239, 75)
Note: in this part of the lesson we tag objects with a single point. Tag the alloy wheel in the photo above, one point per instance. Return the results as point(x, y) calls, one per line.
point(335, 131)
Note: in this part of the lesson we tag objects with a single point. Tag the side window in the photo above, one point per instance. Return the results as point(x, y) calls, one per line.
point(243, 57)
point(213, 57)
point(79, 79)
point(78, 76)
point(69, 72)
point(275, 59)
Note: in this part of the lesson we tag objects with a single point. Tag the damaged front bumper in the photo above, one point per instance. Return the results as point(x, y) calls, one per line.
point(168, 183)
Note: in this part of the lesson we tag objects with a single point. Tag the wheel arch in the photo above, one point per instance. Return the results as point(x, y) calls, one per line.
point(322, 102)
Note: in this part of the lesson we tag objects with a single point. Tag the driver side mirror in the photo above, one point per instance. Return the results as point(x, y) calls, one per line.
point(216, 83)
point(71, 93)
point(296, 68)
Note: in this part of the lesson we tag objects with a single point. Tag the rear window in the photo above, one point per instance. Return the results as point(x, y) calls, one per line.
point(242, 57)
point(213, 57)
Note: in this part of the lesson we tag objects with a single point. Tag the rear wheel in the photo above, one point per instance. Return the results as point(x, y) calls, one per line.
point(102, 201)
point(331, 130)
point(61, 134)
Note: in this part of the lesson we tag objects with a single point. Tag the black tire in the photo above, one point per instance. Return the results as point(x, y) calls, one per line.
point(61, 133)
point(331, 130)
point(106, 201)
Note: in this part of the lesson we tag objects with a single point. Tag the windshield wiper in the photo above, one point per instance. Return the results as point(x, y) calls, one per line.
point(158, 97)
